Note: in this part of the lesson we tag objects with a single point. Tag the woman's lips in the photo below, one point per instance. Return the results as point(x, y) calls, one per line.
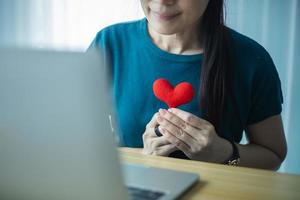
point(165, 16)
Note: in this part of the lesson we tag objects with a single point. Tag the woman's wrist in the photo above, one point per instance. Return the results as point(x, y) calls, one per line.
point(219, 152)
point(222, 150)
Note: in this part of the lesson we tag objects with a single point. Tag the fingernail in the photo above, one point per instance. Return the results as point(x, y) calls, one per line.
point(170, 110)
point(162, 111)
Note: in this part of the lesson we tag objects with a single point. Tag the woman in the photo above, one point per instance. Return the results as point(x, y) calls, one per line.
point(236, 82)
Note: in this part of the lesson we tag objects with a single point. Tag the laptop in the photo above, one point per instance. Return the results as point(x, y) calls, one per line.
point(56, 139)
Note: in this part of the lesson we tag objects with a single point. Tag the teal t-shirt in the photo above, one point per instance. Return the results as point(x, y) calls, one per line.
point(136, 62)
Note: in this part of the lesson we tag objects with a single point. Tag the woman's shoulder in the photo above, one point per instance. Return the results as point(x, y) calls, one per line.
point(250, 56)
point(245, 46)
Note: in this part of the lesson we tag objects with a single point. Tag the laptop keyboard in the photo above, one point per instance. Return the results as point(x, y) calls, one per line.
point(144, 194)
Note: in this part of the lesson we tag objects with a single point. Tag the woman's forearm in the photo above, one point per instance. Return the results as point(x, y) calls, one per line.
point(256, 156)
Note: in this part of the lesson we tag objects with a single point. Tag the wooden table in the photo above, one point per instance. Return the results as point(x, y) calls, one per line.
point(224, 182)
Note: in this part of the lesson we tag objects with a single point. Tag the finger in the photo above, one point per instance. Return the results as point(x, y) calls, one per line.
point(152, 141)
point(195, 133)
point(158, 142)
point(164, 150)
point(190, 118)
point(181, 145)
point(179, 123)
point(150, 132)
point(153, 144)
point(176, 132)
point(152, 122)
point(172, 118)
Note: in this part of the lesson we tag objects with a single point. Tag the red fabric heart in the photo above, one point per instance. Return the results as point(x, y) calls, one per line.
point(183, 93)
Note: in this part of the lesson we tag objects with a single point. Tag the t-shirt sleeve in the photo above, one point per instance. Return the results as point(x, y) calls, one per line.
point(98, 42)
point(93, 44)
point(266, 94)
point(102, 42)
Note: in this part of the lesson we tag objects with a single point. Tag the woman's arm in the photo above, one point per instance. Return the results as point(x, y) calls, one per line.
point(267, 146)
point(198, 140)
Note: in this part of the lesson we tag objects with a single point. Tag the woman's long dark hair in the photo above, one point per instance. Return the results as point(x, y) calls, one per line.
point(215, 70)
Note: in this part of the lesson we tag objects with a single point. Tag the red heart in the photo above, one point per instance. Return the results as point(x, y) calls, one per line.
point(183, 93)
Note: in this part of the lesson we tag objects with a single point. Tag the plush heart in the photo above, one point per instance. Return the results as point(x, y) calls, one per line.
point(183, 93)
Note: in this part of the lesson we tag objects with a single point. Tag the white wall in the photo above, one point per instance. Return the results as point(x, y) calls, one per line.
point(61, 24)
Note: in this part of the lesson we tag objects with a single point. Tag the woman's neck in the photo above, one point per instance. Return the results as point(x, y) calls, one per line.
point(185, 43)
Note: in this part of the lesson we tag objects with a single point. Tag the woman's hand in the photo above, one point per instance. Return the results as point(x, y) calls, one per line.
point(154, 145)
point(194, 136)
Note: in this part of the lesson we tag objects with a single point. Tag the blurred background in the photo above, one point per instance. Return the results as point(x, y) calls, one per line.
point(72, 25)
